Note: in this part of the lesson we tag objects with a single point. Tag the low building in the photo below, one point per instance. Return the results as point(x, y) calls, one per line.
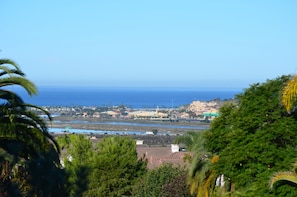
point(96, 115)
point(156, 156)
point(148, 114)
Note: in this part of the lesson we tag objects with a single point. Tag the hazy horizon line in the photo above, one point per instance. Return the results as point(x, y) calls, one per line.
point(176, 88)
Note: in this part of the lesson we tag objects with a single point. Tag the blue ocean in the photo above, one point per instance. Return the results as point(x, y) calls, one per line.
point(130, 97)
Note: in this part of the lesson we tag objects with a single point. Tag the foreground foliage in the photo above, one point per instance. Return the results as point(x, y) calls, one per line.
point(201, 174)
point(116, 168)
point(254, 138)
point(77, 154)
point(29, 156)
point(110, 168)
point(165, 181)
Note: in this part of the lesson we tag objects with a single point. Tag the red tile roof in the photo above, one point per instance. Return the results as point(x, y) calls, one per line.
point(157, 156)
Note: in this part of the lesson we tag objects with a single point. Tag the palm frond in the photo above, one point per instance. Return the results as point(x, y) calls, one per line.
point(11, 98)
point(7, 70)
point(10, 72)
point(20, 81)
point(283, 176)
point(41, 109)
point(289, 93)
point(209, 183)
point(201, 177)
point(10, 62)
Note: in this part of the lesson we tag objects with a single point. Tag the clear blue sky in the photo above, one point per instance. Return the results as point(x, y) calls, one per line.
point(216, 43)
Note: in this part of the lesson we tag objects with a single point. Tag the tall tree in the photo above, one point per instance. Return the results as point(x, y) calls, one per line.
point(178, 187)
point(19, 125)
point(77, 159)
point(159, 182)
point(115, 167)
point(23, 134)
point(254, 138)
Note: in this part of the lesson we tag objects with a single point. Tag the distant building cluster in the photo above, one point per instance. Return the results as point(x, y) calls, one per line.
point(196, 110)
point(205, 109)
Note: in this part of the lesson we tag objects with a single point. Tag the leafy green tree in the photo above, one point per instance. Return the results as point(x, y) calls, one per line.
point(110, 168)
point(178, 187)
point(157, 182)
point(254, 138)
point(115, 167)
point(77, 162)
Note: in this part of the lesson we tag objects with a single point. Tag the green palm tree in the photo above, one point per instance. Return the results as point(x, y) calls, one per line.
point(289, 93)
point(19, 125)
point(286, 176)
point(288, 98)
point(24, 136)
point(201, 175)
point(192, 140)
point(8, 184)
point(12, 75)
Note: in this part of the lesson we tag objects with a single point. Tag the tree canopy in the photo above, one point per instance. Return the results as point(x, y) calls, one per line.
point(254, 137)
point(166, 180)
point(77, 156)
point(109, 167)
point(115, 167)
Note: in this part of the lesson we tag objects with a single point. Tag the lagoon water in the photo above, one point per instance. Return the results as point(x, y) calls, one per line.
point(102, 132)
point(130, 97)
point(135, 124)
point(125, 132)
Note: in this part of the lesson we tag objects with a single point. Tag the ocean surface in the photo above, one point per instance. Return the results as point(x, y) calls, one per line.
point(130, 97)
